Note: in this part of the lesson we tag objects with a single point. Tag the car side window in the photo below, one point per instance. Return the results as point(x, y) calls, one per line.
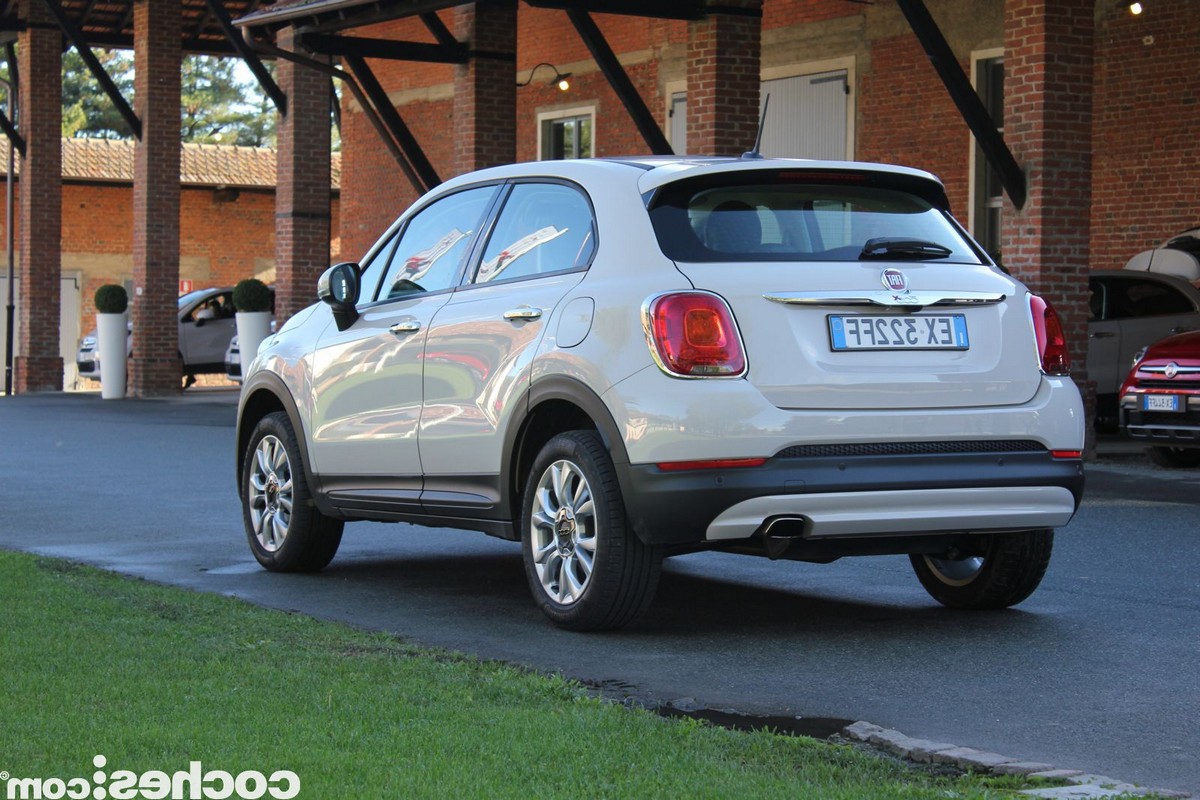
point(1141, 298)
point(543, 228)
point(429, 255)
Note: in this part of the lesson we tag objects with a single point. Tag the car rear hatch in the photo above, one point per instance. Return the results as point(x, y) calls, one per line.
point(851, 286)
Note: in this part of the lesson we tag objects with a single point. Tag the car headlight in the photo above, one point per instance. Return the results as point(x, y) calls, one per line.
point(1138, 356)
point(87, 343)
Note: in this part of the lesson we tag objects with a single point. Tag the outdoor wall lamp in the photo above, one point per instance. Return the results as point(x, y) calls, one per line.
point(559, 79)
point(1133, 6)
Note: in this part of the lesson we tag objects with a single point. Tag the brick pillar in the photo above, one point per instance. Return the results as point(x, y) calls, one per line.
point(724, 54)
point(485, 90)
point(155, 366)
point(39, 367)
point(302, 215)
point(1047, 123)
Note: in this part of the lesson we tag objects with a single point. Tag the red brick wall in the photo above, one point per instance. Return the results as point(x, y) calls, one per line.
point(908, 118)
point(1145, 129)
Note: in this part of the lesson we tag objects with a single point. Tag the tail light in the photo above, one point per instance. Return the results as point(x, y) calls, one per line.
point(693, 335)
point(1051, 342)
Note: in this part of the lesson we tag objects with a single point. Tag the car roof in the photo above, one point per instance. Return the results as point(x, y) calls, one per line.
point(652, 172)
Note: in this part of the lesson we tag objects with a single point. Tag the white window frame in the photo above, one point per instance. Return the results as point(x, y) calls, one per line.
point(847, 63)
point(563, 113)
point(972, 173)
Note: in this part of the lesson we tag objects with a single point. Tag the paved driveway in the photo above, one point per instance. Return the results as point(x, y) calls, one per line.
point(1097, 671)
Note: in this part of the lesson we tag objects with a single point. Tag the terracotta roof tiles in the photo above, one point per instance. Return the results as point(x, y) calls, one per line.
point(201, 164)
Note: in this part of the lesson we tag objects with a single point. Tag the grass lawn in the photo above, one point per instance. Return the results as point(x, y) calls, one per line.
point(154, 678)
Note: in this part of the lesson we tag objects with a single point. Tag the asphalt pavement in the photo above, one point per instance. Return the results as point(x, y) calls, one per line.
point(1097, 671)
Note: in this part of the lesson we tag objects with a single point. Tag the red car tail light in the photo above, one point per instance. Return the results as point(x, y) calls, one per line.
point(694, 335)
point(1051, 341)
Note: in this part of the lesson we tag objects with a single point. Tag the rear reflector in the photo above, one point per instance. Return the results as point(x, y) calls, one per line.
point(1066, 453)
point(716, 463)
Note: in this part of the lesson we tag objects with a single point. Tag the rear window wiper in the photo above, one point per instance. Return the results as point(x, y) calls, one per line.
point(907, 249)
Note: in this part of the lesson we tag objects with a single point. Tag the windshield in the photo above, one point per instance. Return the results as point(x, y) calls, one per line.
point(793, 217)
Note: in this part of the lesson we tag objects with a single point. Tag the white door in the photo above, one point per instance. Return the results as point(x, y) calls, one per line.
point(807, 116)
point(68, 324)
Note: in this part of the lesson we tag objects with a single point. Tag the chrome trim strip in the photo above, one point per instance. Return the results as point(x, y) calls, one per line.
point(886, 299)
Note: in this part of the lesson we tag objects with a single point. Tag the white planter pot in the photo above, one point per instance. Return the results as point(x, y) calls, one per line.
point(111, 330)
point(252, 328)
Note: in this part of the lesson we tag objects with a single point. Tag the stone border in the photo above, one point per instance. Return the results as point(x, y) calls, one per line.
point(923, 751)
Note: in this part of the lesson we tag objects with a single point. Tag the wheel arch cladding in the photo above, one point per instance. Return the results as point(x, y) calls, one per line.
point(262, 399)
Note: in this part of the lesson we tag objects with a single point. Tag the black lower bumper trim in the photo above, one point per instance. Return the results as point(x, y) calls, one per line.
point(676, 508)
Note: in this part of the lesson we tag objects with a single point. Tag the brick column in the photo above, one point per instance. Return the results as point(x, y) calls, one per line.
point(39, 367)
point(485, 90)
point(302, 215)
point(1047, 123)
point(155, 366)
point(724, 55)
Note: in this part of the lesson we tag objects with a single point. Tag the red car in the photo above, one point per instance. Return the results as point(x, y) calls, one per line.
point(1160, 400)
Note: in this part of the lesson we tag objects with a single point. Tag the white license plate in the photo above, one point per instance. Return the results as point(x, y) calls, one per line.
point(907, 332)
point(1160, 402)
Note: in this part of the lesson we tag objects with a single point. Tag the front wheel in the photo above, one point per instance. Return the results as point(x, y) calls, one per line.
point(286, 531)
point(1005, 570)
point(587, 570)
point(1174, 457)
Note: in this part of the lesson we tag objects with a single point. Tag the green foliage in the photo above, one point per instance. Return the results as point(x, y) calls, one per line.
point(111, 299)
point(218, 104)
point(87, 111)
point(251, 294)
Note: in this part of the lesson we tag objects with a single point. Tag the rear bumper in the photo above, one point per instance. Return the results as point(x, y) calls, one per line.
point(856, 497)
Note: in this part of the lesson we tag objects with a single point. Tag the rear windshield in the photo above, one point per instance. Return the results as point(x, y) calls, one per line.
point(791, 217)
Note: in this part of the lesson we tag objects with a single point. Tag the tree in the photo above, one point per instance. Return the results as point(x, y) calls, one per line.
point(217, 104)
point(87, 111)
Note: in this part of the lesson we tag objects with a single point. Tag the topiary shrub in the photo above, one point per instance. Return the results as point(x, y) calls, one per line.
point(251, 295)
point(111, 299)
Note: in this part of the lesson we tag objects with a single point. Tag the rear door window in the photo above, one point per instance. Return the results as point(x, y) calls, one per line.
point(543, 228)
point(797, 217)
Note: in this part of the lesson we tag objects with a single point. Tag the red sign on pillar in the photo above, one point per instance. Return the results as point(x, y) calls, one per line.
point(185, 286)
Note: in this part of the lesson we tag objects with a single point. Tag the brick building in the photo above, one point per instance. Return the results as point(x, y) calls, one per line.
point(1095, 106)
point(227, 223)
point(1064, 130)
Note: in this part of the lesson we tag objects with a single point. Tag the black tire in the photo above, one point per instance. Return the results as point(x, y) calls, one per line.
point(285, 530)
point(1174, 457)
point(1007, 570)
point(619, 571)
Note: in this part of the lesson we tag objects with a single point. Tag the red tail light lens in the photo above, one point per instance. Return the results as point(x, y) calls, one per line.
point(693, 335)
point(1051, 342)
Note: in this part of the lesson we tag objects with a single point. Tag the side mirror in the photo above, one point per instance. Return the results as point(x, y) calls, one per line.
point(338, 287)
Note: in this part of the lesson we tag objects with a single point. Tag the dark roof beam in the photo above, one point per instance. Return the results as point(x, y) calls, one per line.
point(620, 82)
point(360, 47)
point(438, 28)
point(94, 65)
point(349, 81)
point(242, 48)
point(395, 124)
point(991, 141)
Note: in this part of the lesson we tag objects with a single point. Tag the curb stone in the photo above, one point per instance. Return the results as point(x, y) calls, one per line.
point(1083, 785)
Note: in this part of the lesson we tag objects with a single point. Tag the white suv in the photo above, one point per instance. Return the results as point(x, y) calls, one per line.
point(613, 361)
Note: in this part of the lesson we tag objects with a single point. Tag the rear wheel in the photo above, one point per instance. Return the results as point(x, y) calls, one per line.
point(286, 531)
point(587, 570)
point(1174, 457)
point(1003, 572)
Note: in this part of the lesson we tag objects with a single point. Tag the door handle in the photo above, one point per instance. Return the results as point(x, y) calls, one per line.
point(1180, 329)
point(1102, 335)
point(408, 326)
point(523, 313)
